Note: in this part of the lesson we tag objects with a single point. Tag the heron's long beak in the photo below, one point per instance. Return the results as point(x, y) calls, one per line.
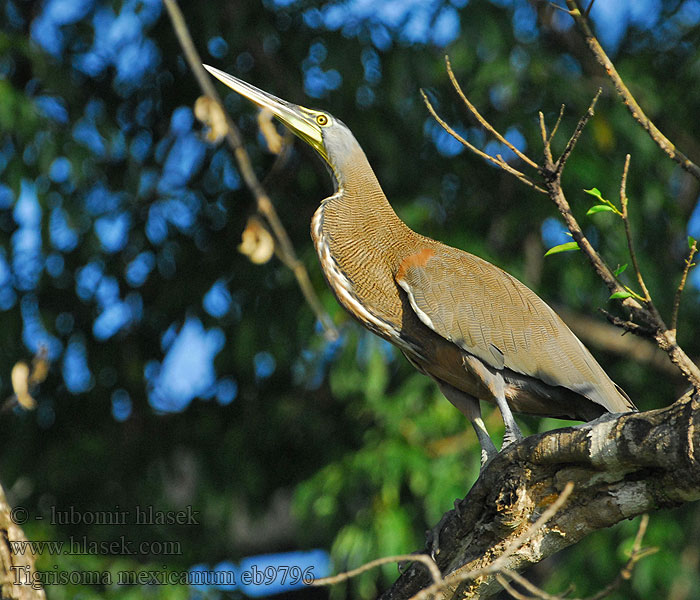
point(296, 118)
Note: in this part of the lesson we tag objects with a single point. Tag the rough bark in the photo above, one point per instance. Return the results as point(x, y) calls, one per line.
point(12, 563)
point(621, 466)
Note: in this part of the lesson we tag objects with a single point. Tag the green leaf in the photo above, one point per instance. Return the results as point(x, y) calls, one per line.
point(620, 270)
point(568, 247)
point(617, 295)
point(691, 241)
point(595, 192)
point(599, 208)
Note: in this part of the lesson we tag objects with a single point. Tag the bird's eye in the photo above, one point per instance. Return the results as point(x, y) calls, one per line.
point(322, 120)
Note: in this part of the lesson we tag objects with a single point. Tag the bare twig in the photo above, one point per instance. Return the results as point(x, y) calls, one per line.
point(628, 233)
point(580, 17)
point(546, 140)
point(595, 333)
point(505, 584)
point(556, 125)
point(538, 593)
point(440, 582)
point(557, 7)
point(422, 558)
point(652, 325)
point(484, 123)
point(637, 553)
point(263, 202)
point(677, 299)
point(498, 161)
point(628, 326)
point(524, 537)
point(559, 165)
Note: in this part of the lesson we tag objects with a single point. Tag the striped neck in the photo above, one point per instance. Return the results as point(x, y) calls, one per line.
point(360, 242)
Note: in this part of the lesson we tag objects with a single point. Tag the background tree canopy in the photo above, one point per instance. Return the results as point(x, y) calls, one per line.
point(184, 375)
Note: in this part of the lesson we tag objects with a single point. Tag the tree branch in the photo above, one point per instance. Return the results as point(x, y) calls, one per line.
point(677, 299)
point(628, 232)
point(484, 123)
point(621, 466)
point(652, 324)
point(571, 144)
point(498, 161)
point(628, 99)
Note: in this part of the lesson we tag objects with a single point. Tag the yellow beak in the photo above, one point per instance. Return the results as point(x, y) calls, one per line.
point(298, 119)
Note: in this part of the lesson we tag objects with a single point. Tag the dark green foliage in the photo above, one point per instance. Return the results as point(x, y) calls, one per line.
point(339, 446)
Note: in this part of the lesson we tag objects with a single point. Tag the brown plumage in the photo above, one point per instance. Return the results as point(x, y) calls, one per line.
point(472, 327)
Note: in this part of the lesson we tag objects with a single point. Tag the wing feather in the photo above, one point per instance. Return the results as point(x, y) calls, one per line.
point(493, 316)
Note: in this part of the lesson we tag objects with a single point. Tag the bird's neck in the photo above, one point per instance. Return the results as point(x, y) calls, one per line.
point(357, 223)
point(360, 242)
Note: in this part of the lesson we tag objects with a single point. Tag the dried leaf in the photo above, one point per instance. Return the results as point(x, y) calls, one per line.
point(209, 112)
point(20, 385)
point(274, 140)
point(256, 242)
point(568, 247)
point(40, 366)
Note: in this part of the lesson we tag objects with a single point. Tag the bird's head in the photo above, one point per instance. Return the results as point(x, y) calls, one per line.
point(330, 137)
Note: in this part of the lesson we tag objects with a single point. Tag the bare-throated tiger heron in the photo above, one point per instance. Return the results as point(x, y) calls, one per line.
point(475, 329)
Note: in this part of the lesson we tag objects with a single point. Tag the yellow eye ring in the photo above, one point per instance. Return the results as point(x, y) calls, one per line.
point(322, 120)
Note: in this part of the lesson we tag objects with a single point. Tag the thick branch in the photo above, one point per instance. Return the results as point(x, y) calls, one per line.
point(621, 466)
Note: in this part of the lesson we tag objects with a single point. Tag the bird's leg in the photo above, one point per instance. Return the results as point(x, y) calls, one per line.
point(469, 406)
point(493, 382)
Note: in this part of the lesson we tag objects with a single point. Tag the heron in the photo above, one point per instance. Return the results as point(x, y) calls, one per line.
point(473, 328)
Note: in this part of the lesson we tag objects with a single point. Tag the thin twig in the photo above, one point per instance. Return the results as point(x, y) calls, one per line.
point(653, 325)
point(524, 537)
point(677, 300)
point(538, 593)
point(422, 558)
point(561, 8)
point(628, 326)
point(484, 122)
point(628, 99)
point(556, 125)
point(636, 554)
point(505, 584)
point(264, 204)
point(576, 134)
point(588, 10)
point(628, 230)
point(499, 162)
point(546, 145)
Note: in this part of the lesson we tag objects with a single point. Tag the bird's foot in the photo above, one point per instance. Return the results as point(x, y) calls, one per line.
point(511, 436)
point(487, 455)
point(432, 536)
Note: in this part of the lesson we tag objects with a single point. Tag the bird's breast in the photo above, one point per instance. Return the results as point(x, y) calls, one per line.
point(358, 265)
